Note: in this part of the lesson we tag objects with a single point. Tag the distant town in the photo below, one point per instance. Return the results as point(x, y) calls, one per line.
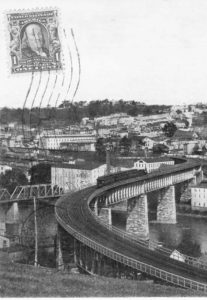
point(67, 144)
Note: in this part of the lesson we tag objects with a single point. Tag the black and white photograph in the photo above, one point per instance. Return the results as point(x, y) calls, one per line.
point(103, 148)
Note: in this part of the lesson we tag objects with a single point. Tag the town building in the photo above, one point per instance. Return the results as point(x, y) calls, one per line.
point(55, 141)
point(149, 143)
point(79, 146)
point(162, 118)
point(4, 242)
point(4, 168)
point(182, 108)
point(114, 119)
point(72, 177)
point(199, 196)
point(105, 131)
point(185, 142)
point(151, 164)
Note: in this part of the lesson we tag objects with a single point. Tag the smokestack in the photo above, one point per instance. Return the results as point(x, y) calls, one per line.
point(108, 163)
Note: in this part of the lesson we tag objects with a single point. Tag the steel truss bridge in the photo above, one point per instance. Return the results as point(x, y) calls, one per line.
point(27, 192)
point(97, 242)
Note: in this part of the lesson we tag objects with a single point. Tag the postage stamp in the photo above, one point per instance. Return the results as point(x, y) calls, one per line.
point(34, 41)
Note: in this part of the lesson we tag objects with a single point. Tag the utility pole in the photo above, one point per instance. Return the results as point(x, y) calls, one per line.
point(145, 152)
point(36, 237)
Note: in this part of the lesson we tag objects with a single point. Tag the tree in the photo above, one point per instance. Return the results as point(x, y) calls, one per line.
point(12, 178)
point(189, 247)
point(196, 150)
point(125, 144)
point(204, 150)
point(160, 148)
point(169, 129)
point(40, 173)
point(186, 123)
point(179, 112)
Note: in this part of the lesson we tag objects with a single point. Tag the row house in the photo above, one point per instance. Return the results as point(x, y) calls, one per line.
point(55, 141)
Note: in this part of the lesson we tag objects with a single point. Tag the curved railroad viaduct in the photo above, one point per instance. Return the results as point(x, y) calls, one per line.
point(96, 242)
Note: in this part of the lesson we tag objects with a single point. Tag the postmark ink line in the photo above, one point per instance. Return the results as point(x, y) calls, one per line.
point(79, 65)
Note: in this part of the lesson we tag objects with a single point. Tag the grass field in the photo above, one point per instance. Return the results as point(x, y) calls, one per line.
point(26, 281)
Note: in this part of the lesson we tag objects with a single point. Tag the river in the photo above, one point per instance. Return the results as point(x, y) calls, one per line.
point(189, 233)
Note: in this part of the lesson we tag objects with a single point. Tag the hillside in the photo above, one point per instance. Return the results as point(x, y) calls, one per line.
point(26, 281)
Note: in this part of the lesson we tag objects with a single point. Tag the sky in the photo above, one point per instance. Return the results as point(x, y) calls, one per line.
point(143, 50)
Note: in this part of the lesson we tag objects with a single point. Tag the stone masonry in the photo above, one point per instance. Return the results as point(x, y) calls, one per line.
point(166, 209)
point(137, 219)
point(105, 215)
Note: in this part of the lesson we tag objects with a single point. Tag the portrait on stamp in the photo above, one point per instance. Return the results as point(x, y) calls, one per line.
point(34, 41)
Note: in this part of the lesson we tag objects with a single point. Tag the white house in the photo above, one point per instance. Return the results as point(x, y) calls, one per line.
point(152, 163)
point(4, 242)
point(4, 168)
point(177, 255)
point(149, 143)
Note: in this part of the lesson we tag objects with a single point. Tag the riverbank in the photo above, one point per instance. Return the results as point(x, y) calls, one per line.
point(27, 281)
point(193, 215)
point(180, 211)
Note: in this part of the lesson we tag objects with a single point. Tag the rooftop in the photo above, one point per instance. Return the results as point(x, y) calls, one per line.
point(77, 143)
point(184, 135)
point(156, 159)
point(70, 135)
point(79, 166)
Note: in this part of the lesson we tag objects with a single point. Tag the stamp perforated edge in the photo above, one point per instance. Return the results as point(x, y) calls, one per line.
point(7, 40)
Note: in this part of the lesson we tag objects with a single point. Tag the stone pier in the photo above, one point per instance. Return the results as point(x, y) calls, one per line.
point(2, 220)
point(105, 215)
point(137, 219)
point(12, 215)
point(166, 209)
